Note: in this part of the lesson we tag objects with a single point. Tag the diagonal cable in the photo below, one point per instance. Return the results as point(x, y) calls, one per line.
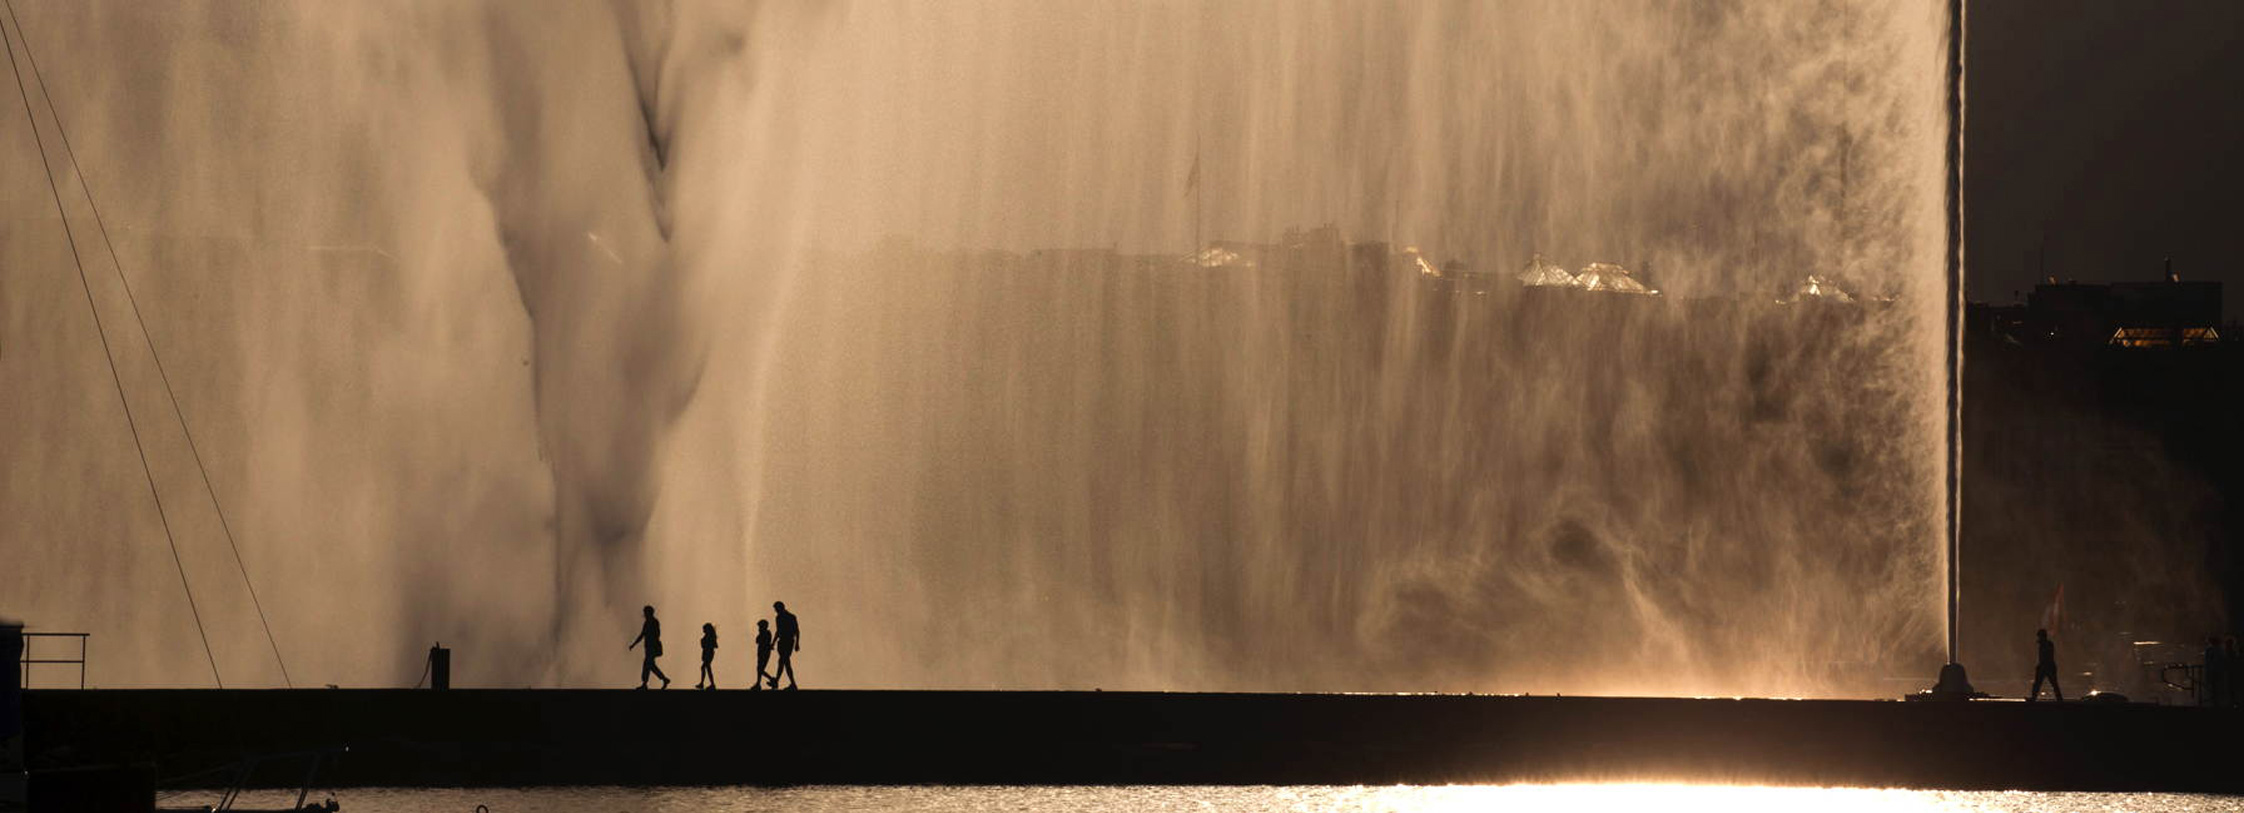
point(150, 338)
point(114, 377)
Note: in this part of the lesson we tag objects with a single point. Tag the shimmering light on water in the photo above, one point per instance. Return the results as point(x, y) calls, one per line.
point(1621, 798)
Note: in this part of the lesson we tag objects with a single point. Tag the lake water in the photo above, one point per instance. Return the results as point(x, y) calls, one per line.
point(1293, 799)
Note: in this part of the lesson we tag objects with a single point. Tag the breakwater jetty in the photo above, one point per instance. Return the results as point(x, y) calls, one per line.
point(547, 737)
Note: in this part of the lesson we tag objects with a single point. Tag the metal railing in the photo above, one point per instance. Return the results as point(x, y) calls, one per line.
point(29, 661)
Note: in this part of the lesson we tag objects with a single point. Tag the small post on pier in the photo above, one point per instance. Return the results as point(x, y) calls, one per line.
point(440, 667)
point(14, 790)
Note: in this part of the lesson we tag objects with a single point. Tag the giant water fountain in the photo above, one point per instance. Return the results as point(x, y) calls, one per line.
point(495, 322)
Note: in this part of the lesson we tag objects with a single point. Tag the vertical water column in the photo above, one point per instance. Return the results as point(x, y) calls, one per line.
point(1955, 303)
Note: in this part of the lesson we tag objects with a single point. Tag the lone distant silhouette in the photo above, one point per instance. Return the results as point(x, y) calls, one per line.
point(2229, 688)
point(790, 642)
point(650, 632)
point(2232, 694)
point(708, 653)
point(2213, 689)
point(763, 655)
point(2045, 668)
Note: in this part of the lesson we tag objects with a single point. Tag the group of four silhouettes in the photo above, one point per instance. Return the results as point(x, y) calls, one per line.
point(788, 641)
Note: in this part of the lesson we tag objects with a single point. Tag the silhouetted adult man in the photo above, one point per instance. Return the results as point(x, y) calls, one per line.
point(2045, 667)
point(650, 631)
point(790, 640)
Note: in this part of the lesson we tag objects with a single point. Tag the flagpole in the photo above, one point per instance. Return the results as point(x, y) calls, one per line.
point(1197, 195)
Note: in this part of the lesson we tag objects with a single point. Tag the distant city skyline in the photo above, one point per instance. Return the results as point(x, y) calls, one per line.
point(2100, 137)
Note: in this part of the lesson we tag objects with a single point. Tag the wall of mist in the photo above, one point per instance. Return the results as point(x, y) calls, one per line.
point(414, 274)
point(496, 321)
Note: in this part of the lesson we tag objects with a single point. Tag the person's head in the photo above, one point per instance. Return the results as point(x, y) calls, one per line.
point(709, 628)
point(2041, 635)
point(762, 624)
point(779, 605)
point(648, 610)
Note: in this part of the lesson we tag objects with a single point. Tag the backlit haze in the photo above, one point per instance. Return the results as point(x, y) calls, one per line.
point(495, 321)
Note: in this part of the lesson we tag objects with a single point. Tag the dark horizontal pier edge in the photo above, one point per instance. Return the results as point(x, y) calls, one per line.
point(547, 737)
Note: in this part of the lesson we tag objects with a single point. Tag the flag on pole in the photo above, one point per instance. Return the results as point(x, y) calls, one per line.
point(2053, 615)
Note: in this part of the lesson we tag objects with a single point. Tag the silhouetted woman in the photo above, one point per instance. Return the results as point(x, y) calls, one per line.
point(708, 653)
point(650, 632)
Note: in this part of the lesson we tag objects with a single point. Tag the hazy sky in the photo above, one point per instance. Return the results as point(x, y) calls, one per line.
point(2109, 129)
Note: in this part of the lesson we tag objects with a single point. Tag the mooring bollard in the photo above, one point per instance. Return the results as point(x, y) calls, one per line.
point(440, 667)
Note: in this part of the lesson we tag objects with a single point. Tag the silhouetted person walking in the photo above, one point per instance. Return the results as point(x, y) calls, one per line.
point(708, 653)
point(2213, 690)
point(763, 655)
point(2219, 688)
point(651, 632)
point(2229, 672)
point(790, 642)
point(2045, 667)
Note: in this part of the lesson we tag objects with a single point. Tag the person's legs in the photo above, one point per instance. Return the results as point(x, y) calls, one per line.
point(2039, 673)
point(786, 667)
point(2054, 689)
point(646, 665)
point(657, 670)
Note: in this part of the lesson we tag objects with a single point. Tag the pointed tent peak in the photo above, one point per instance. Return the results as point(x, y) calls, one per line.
point(1820, 288)
point(1419, 262)
point(1609, 277)
point(1216, 256)
point(1542, 273)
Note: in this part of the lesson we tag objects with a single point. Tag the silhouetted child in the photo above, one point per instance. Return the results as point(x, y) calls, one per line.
point(763, 655)
point(790, 642)
point(650, 631)
point(708, 653)
point(2045, 666)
